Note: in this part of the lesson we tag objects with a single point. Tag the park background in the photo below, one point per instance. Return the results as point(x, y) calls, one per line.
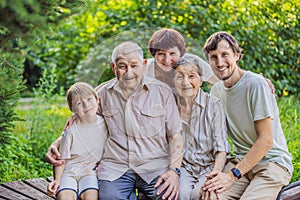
point(47, 45)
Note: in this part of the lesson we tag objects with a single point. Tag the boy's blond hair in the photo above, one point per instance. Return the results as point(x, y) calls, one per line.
point(78, 91)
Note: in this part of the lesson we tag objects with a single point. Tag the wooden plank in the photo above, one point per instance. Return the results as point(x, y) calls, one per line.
point(9, 194)
point(49, 179)
point(38, 183)
point(26, 190)
point(291, 194)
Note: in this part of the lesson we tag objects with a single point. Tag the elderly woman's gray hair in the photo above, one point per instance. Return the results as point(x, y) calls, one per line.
point(194, 60)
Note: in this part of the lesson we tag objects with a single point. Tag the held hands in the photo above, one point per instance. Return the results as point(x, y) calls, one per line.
point(52, 187)
point(217, 182)
point(170, 181)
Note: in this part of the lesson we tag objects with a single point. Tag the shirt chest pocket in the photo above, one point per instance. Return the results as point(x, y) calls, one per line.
point(152, 120)
point(114, 122)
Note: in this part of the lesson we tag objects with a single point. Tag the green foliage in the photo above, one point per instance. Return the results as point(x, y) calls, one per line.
point(22, 24)
point(289, 108)
point(10, 80)
point(268, 31)
point(25, 157)
point(43, 120)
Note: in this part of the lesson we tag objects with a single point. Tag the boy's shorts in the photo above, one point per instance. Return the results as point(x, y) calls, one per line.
point(78, 184)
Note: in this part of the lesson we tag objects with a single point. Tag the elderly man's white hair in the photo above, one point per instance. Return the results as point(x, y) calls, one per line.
point(126, 48)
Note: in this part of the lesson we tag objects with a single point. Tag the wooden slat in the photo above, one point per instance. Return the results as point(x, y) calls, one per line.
point(38, 183)
point(8, 194)
point(26, 190)
point(37, 189)
point(291, 194)
point(49, 179)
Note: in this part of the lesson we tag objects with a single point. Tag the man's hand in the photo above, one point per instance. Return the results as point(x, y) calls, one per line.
point(272, 88)
point(53, 155)
point(218, 182)
point(71, 120)
point(170, 181)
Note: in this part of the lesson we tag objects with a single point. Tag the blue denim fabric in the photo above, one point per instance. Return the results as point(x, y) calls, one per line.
point(124, 188)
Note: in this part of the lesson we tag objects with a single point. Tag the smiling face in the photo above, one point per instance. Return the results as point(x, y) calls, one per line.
point(166, 59)
point(187, 80)
point(223, 60)
point(83, 101)
point(86, 108)
point(129, 69)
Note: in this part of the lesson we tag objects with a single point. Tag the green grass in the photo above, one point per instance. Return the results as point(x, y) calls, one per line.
point(24, 157)
point(289, 108)
point(44, 121)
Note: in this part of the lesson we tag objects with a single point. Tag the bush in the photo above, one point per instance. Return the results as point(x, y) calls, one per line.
point(25, 157)
point(268, 31)
point(22, 24)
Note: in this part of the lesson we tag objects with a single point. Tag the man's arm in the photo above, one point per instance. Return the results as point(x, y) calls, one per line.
point(220, 160)
point(222, 181)
point(170, 179)
point(53, 155)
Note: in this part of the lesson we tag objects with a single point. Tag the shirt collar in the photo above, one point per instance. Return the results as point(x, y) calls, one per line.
point(200, 98)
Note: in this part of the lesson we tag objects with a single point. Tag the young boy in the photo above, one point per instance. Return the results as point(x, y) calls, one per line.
point(82, 147)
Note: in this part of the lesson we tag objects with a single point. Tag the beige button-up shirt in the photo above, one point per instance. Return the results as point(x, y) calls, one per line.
point(138, 129)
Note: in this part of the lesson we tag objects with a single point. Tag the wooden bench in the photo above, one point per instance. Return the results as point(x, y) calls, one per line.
point(29, 189)
point(37, 189)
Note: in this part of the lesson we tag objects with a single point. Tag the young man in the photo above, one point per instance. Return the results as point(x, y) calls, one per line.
point(262, 164)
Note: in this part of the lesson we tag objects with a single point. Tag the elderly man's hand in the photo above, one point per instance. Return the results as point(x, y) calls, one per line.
point(170, 183)
point(53, 155)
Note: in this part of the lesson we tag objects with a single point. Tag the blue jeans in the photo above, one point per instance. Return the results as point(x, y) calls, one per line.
point(125, 188)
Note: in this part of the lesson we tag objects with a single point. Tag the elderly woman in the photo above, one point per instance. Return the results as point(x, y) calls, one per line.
point(204, 128)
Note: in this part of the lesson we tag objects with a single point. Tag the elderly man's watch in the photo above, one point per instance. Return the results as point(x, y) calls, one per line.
point(236, 173)
point(177, 171)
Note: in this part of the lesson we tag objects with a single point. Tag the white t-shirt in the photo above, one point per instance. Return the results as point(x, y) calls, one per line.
point(82, 147)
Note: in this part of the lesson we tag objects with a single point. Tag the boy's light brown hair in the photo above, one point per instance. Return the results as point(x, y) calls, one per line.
point(78, 91)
